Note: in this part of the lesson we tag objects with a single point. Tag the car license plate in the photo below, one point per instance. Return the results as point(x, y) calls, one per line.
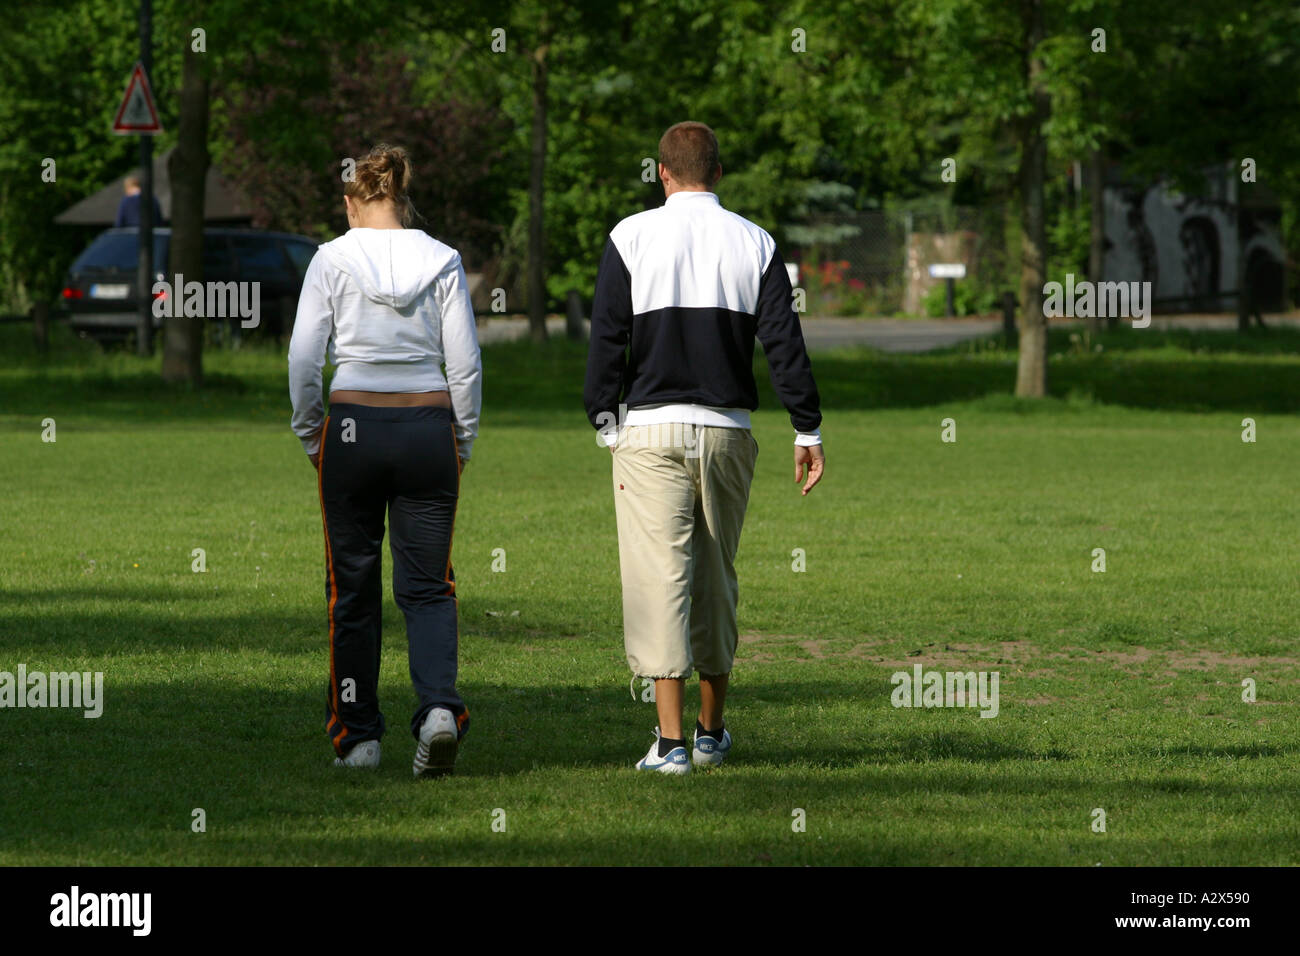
point(103, 290)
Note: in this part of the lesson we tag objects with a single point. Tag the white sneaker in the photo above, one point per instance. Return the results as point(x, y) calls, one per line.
point(435, 755)
point(709, 752)
point(675, 763)
point(364, 755)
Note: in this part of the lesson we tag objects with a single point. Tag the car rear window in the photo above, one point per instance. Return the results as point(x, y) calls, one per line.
point(118, 251)
point(260, 258)
point(301, 253)
point(218, 263)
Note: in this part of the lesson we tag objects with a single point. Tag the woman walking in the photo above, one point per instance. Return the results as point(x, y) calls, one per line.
point(392, 306)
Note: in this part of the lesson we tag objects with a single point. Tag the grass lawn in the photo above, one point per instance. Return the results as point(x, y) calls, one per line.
point(1119, 690)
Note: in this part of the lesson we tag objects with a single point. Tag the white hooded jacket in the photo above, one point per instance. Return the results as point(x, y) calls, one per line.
point(390, 306)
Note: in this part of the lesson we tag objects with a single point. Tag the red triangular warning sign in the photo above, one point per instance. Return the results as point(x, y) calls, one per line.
point(137, 113)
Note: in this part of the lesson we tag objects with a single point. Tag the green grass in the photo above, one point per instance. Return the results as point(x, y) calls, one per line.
point(1119, 690)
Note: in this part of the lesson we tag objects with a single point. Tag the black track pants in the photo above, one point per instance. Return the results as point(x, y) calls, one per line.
point(402, 460)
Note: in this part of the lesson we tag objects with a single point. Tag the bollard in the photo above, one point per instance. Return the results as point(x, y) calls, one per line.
point(1009, 315)
point(573, 315)
point(41, 325)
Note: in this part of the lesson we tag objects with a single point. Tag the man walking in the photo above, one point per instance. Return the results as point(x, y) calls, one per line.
point(128, 207)
point(682, 292)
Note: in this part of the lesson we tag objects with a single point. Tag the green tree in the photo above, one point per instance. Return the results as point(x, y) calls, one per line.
point(63, 69)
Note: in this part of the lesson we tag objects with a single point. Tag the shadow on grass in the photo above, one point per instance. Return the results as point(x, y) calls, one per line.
point(136, 619)
point(1183, 371)
point(1282, 341)
point(758, 840)
point(519, 729)
point(257, 760)
point(1219, 752)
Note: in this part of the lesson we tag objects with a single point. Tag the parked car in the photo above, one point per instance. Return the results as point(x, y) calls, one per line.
point(99, 292)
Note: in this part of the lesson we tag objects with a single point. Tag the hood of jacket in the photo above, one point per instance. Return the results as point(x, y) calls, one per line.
point(391, 266)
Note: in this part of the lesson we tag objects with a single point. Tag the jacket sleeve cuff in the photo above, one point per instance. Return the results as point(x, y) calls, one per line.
point(813, 437)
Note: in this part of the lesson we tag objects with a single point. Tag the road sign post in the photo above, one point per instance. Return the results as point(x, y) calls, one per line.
point(138, 115)
point(949, 272)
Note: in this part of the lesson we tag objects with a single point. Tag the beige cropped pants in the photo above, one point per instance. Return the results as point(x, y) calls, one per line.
point(680, 494)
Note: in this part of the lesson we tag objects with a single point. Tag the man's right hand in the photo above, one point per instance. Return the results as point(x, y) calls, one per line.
point(809, 460)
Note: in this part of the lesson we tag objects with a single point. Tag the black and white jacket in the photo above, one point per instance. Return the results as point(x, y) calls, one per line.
point(682, 292)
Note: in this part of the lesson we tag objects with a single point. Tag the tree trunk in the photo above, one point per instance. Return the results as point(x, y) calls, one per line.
point(536, 197)
point(1097, 233)
point(188, 168)
point(1031, 373)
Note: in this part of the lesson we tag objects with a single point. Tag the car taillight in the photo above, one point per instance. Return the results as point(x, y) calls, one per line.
point(70, 293)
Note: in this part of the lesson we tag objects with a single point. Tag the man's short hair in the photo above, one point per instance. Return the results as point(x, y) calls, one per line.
point(690, 152)
point(133, 179)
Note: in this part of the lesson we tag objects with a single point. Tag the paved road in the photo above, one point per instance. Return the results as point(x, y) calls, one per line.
point(894, 335)
point(897, 335)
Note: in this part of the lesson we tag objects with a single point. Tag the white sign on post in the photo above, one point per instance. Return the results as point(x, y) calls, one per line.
point(137, 113)
point(948, 270)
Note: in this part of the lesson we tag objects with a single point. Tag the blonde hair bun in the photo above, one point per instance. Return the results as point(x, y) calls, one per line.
point(383, 173)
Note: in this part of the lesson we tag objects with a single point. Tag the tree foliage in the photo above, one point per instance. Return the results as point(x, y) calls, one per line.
point(819, 105)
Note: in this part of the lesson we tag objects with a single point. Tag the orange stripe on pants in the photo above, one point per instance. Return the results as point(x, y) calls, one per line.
point(338, 738)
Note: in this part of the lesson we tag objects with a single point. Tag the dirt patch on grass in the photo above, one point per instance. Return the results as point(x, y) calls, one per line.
point(1213, 660)
point(935, 655)
point(1174, 661)
point(1024, 658)
point(765, 646)
point(1138, 655)
point(754, 637)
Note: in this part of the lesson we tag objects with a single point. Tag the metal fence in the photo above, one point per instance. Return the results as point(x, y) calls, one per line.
point(876, 262)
